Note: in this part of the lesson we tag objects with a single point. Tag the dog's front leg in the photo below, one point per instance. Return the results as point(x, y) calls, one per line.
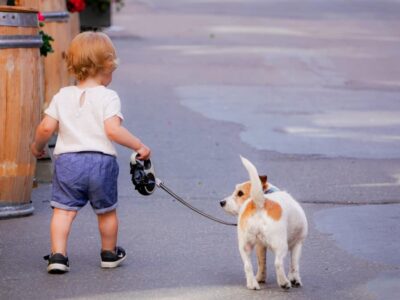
point(261, 251)
point(245, 251)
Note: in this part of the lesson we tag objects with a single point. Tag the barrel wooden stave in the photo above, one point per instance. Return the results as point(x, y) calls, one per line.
point(19, 115)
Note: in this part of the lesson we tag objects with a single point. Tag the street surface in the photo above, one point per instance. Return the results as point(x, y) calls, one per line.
point(307, 90)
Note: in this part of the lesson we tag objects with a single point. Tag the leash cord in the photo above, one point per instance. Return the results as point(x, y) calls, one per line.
point(161, 185)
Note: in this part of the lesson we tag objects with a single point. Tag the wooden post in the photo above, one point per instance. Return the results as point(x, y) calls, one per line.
point(19, 107)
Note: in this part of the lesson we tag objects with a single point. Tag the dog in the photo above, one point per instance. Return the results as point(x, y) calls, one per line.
point(272, 221)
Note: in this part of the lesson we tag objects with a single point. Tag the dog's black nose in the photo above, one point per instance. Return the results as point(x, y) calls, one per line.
point(222, 203)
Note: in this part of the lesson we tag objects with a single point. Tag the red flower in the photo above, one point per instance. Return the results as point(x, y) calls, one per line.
point(40, 17)
point(76, 5)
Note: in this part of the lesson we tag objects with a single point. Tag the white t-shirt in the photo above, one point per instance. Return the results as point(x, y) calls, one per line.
point(81, 128)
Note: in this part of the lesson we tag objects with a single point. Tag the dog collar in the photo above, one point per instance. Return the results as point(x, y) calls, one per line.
point(271, 189)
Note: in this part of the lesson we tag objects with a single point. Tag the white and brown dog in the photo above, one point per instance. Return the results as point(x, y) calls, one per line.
point(275, 221)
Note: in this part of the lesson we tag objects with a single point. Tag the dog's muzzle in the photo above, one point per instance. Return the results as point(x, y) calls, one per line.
point(222, 203)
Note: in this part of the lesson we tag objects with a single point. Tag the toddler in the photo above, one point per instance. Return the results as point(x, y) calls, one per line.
point(88, 119)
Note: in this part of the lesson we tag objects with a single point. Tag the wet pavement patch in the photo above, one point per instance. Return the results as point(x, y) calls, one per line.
point(302, 120)
point(386, 286)
point(369, 232)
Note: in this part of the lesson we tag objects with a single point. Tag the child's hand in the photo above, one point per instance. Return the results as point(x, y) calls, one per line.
point(37, 153)
point(143, 152)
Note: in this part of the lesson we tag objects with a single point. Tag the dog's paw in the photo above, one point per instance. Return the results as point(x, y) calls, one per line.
point(296, 283)
point(295, 280)
point(253, 285)
point(286, 286)
point(261, 278)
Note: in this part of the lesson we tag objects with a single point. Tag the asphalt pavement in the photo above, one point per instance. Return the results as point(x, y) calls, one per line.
point(307, 90)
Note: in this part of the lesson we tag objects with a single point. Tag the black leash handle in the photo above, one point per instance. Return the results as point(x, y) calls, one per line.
point(161, 185)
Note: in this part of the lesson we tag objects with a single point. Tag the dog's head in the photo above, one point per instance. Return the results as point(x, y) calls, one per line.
point(232, 203)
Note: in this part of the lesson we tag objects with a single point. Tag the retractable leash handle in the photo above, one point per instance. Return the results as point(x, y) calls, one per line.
point(143, 175)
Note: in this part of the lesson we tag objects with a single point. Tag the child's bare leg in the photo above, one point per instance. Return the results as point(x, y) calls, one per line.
point(60, 227)
point(108, 227)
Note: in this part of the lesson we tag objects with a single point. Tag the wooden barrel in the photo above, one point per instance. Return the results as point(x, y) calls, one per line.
point(56, 25)
point(19, 107)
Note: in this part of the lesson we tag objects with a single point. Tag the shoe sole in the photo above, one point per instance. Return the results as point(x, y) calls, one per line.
point(57, 269)
point(112, 264)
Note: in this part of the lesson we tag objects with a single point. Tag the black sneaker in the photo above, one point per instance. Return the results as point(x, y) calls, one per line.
point(111, 259)
point(58, 263)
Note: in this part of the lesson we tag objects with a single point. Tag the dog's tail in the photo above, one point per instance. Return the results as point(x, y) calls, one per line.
point(256, 191)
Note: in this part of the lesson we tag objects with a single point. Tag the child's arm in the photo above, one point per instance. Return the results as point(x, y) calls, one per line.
point(44, 132)
point(122, 136)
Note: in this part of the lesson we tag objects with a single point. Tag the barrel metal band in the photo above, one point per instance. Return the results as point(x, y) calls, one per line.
point(20, 41)
point(56, 16)
point(12, 19)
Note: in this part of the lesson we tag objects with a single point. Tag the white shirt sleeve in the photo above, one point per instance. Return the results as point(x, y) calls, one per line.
point(52, 110)
point(113, 107)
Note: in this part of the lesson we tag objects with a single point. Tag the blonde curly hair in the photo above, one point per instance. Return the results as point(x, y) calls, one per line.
point(91, 53)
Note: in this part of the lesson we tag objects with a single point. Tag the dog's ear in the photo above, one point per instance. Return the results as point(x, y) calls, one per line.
point(263, 179)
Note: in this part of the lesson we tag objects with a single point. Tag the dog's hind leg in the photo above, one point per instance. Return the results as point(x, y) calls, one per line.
point(294, 273)
point(245, 251)
point(261, 252)
point(283, 282)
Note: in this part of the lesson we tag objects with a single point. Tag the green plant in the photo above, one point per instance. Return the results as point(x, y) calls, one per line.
point(46, 47)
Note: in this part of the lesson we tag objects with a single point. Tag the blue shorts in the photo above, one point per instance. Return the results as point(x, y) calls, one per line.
point(80, 177)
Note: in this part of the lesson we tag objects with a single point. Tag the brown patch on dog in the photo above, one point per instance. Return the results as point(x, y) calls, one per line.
point(249, 211)
point(273, 209)
point(245, 193)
